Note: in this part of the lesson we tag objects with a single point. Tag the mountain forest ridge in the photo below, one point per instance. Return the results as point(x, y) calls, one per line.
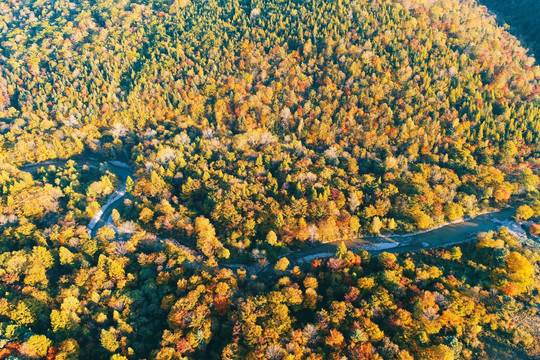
point(522, 17)
point(256, 129)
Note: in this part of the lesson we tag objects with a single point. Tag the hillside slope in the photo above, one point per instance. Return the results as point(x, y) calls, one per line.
point(254, 130)
point(313, 121)
point(522, 16)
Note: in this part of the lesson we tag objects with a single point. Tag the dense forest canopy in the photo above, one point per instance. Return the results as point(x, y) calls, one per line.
point(253, 129)
point(313, 121)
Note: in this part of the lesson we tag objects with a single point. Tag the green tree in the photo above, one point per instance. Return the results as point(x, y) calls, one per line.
point(341, 250)
point(37, 346)
point(108, 340)
point(282, 265)
point(207, 241)
point(524, 212)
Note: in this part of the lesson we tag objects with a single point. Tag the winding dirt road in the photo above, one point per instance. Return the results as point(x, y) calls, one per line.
point(122, 172)
point(445, 235)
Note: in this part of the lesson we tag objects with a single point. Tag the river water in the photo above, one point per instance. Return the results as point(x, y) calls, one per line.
point(445, 235)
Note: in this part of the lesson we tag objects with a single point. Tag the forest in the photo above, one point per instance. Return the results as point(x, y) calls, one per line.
point(289, 122)
point(248, 131)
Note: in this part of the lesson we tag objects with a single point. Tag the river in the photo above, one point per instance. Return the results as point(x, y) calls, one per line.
point(445, 235)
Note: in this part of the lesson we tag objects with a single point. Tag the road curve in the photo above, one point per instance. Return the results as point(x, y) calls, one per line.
point(122, 172)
